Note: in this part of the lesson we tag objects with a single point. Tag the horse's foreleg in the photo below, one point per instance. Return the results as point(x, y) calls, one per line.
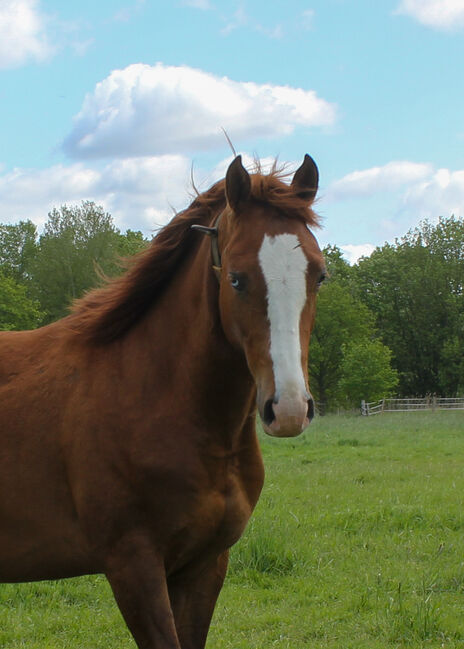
point(193, 593)
point(136, 575)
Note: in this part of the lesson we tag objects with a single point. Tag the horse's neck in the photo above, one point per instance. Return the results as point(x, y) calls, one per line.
point(184, 337)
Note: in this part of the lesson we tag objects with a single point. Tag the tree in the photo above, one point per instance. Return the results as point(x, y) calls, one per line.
point(337, 266)
point(415, 289)
point(130, 243)
point(18, 247)
point(345, 326)
point(366, 372)
point(341, 319)
point(78, 244)
point(17, 310)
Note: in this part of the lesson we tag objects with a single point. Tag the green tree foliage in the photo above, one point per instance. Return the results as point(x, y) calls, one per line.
point(130, 243)
point(343, 325)
point(341, 320)
point(337, 266)
point(41, 276)
point(344, 332)
point(17, 309)
point(415, 289)
point(78, 244)
point(18, 247)
point(366, 372)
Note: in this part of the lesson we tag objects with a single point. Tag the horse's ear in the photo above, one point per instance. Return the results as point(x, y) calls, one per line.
point(306, 179)
point(238, 184)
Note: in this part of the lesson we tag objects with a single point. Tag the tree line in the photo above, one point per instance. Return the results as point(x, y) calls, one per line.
point(393, 323)
point(40, 276)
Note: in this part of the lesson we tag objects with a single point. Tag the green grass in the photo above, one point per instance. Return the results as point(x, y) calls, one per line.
point(357, 542)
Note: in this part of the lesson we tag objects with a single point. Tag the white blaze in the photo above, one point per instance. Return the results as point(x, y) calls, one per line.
point(284, 266)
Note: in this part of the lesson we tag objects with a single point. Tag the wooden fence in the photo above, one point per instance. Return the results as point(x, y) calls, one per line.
point(409, 405)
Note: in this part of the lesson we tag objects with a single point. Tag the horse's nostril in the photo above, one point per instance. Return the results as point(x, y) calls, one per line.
point(268, 412)
point(310, 414)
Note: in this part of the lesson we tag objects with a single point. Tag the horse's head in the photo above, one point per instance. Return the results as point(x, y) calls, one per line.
point(271, 268)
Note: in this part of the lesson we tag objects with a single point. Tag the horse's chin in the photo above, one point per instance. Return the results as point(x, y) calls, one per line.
point(285, 431)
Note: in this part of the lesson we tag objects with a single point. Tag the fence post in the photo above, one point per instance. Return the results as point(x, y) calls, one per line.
point(363, 408)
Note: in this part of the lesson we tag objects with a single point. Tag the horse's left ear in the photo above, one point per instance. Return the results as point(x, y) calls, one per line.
point(306, 179)
point(238, 184)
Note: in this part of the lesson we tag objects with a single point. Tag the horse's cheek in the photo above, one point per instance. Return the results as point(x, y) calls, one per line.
point(230, 317)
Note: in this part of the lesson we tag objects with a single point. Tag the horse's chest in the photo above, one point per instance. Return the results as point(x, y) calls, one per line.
point(237, 508)
point(223, 513)
point(214, 519)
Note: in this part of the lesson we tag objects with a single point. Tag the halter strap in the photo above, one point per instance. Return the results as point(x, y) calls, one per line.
point(213, 232)
point(215, 254)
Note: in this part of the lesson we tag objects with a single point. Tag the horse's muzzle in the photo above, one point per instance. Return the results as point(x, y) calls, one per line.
point(287, 416)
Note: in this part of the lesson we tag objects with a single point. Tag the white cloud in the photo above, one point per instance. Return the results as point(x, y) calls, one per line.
point(419, 187)
point(353, 252)
point(152, 110)
point(138, 192)
point(440, 14)
point(382, 203)
point(22, 33)
point(391, 176)
point(440, 195)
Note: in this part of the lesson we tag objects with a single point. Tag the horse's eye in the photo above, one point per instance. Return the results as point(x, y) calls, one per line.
point(237, 281)
point(322, 278)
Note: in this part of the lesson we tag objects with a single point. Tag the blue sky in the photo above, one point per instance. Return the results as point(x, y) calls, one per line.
point(114, 101)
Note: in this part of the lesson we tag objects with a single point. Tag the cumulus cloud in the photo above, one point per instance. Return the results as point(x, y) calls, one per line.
point(353, 252)
point(387, 201)
point(420, 188)
point(440, 195)
point(22, 33)
point(391, 176)
point(152, 110)
point(138, 192)
point(440, 14)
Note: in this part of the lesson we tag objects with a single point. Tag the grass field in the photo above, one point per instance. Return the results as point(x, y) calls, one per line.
point(357, 542)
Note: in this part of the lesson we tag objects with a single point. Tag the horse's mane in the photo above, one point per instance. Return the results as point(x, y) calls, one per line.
point(107, 313)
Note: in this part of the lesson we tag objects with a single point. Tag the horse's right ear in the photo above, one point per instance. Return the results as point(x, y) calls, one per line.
point(306, 179)
point(238, 184)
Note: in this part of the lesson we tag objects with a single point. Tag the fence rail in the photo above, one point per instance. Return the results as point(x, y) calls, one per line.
point(409, 405)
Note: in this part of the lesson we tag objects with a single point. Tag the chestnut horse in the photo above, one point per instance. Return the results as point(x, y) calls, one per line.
point(127, 429)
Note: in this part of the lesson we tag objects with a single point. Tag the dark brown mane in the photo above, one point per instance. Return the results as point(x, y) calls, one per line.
point(105, 314)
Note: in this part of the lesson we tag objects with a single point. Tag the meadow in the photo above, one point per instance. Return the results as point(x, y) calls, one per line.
point(357, 542)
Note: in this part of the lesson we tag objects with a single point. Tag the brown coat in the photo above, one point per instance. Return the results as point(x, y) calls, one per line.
point(127, 434)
